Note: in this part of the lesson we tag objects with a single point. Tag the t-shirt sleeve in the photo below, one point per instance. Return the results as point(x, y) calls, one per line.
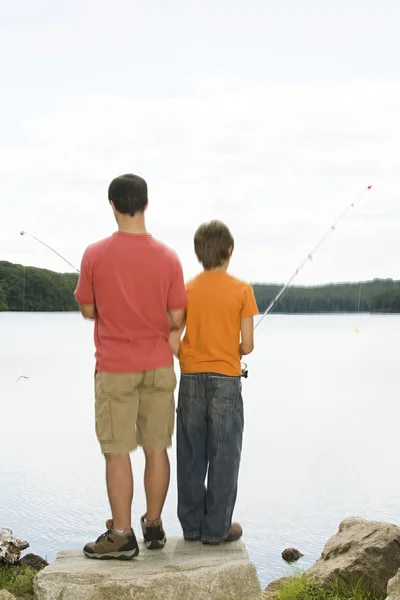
point(249, 307)
point(84, 293)
point(177, 298)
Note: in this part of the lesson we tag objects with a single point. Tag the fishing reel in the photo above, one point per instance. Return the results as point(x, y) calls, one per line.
point(245, 372)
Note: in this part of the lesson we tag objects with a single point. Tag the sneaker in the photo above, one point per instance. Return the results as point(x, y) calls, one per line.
point(153, 533)
point(112, 545)
point(234, 534)
point(193, 538)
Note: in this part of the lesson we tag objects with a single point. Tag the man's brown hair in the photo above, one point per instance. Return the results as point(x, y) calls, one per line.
point(213, 243)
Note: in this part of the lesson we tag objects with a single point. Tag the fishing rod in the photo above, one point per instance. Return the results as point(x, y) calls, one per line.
point(50, 248)
point(279, 295)
point(309, 257)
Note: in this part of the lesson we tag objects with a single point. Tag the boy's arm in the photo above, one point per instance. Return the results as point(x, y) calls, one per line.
point(246, 336)
point(249, 310)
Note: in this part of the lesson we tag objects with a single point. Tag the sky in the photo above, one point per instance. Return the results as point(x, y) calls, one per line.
point(271, 115)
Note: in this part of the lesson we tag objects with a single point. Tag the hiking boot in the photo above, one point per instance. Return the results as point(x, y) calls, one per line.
point(234, 534)
point(153, 533)
point(111, 545)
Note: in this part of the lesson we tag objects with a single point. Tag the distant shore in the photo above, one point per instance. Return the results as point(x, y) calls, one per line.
point(30, 289)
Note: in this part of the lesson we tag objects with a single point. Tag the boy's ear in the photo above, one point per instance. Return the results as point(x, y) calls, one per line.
point(230, 250)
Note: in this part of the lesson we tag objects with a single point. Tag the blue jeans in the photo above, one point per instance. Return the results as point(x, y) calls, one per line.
point(210, 426)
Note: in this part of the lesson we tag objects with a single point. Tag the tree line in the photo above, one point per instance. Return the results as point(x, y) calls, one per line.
point(32, 289)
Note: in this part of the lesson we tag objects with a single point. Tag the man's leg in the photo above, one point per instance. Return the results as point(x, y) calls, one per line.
point(155, 426)
point(224, 447)
point(120, 489)
point(191, 454)
point(116, 409)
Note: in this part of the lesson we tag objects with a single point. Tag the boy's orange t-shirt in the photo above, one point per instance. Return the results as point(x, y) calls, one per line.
point(216, 304)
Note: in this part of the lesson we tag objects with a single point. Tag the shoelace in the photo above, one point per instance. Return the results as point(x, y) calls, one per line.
point(103, 536)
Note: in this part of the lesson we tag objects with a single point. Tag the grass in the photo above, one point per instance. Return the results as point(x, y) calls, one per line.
point(17, 580)
point(300, 587)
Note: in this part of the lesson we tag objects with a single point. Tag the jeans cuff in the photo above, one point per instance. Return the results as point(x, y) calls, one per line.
point(192, 534)
point(206, 538)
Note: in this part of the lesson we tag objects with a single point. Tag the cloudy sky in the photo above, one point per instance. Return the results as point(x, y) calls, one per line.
point(272, 115)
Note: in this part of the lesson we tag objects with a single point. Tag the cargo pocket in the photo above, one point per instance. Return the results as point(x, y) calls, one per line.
point(102, 412)
point(103, 421)
point(165, 379)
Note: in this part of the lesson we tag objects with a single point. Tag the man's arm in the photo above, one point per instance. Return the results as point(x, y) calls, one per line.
point(88, 311)
point(177, 299)
point(176, 319)
point(84, 293)
point(246, 336)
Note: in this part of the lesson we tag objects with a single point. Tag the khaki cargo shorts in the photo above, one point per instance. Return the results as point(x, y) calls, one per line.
point(135, 409)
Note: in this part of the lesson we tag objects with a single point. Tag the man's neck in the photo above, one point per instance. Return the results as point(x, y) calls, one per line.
point(136, 224)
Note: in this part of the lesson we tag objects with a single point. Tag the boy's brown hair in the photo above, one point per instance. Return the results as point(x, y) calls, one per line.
point(213, 244)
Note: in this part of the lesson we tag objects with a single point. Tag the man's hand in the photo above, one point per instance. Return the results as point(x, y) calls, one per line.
point(88, 311)
point(174, 340)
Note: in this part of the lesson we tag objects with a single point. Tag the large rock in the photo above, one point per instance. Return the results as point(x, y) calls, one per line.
point(4, 595)
point(181, 571)
point(361, 550)
point(33, 561)
point(394, 588)
point(10, 547)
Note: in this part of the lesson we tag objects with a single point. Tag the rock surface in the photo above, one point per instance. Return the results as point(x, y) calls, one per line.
point(271, 591)
point(183, 570)
point(290, 555)
point(361, 550)
point(4, 595)
point(33, 561)
point(394, 588)
point(10, 547)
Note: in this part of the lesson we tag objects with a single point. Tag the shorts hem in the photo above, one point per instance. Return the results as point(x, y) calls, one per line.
point(105, 449)
point(155, 446)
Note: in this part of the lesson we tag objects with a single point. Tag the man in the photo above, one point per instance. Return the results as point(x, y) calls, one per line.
point(132, 286)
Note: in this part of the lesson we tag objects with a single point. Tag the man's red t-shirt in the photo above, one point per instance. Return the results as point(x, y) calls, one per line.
point(133, 280)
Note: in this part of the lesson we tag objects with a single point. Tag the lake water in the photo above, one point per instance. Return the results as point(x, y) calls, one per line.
point(321, 437)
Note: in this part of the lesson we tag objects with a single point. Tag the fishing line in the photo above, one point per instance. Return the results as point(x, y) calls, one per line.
point(284, 288)
point(50, 248)
point(309, 257)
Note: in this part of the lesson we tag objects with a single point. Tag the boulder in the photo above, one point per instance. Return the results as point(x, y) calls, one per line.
point(182, 570)
point(290, 555)
point(394, 588)
point(361, 550)
point(10, 547)
point(271, 591)
point(4, 595)
point(33, 561)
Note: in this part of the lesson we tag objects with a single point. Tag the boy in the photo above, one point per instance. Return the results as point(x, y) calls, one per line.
point(219, 331)
point(132, 286)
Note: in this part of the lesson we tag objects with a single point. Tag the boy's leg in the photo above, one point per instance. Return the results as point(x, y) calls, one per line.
point(191, 454)
point(155, 426)
point(116, 408)
point(224, 447)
